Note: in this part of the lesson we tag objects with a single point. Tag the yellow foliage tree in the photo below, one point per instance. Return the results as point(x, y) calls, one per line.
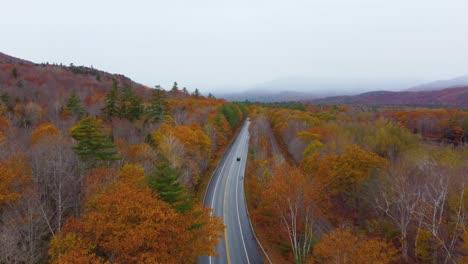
point(72, 249)
point(424, 245)
point(185, 143)
point(44, 131)
point(342, 173)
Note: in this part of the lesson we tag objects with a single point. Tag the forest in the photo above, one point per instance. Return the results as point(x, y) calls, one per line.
point(349, 184)
point(95, 168)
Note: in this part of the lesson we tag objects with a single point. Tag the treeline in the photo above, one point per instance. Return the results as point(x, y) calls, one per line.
point(287, 105)
point(110, 176)
point(356, 187)
point(445, 125)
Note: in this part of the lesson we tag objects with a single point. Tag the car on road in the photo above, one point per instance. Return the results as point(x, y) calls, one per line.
point(238, 158)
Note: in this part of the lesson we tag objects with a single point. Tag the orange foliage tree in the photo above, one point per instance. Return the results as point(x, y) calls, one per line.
point(15, 176)
point(341, 246)
point(3, 139)
point(4, 124)
point(343, 174)
point(128, 223)
point(289, 195)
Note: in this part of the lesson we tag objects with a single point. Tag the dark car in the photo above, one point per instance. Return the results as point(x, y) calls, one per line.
point(238, 158)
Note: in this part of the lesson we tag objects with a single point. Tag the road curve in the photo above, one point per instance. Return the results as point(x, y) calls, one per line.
point(225, 194)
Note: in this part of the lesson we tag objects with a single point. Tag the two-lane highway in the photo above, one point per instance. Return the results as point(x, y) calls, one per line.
point(225, 194)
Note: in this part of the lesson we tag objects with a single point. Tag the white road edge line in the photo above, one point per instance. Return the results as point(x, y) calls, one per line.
point(217, 181)
point(214, 194)
point(236, 151)
point(248, 215)
point(238, 217)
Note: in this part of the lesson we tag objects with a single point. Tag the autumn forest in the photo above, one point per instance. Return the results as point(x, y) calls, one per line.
point(96, 168)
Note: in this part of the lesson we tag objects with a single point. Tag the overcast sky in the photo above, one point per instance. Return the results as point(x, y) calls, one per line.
point(215, 43)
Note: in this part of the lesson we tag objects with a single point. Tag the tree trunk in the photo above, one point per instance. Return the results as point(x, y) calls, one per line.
point(404, 247)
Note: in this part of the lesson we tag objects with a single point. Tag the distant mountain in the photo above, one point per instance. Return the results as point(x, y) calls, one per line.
point(441, 84)
point(446, 97)
point(267, 96)
point(299, 88)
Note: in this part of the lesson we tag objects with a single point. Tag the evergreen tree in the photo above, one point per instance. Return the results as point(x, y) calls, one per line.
point(14, 72)
point(196, 93)
point(157, 109)
point(130, 105)
point(93, 145)
point(211, 96)
point(165, 180)
point(465, 130)
point(124, 101)
point(185, 91)
point(231, 112)
point(135, 110)
point(175, 88)
point(5, 98)
point(73, 106)
point(111, 105)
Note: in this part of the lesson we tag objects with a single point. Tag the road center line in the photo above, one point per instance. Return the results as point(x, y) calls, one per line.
point(214, 195)
point(237, 205)
point(224, 199)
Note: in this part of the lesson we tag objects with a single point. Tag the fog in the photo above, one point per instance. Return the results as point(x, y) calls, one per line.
point(226, 46)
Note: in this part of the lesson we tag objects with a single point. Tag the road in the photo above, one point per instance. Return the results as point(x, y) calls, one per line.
point(225, 194)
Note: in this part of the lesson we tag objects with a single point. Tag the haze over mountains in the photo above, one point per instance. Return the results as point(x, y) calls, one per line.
point(441, 84)
point(452, 92)
point(300, 87)
point(358, 91)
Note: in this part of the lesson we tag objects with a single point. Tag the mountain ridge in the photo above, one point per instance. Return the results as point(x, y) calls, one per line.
point(441, 84)
point(457, 96)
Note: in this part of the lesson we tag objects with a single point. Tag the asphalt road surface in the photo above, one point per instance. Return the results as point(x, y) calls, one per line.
point(225, 194)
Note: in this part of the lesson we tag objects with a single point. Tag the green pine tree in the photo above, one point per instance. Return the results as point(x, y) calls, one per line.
point(175, 88)
point(136, 109)
point(230, 111)
point(111, 103)
point(165, 180)
point(130, 104)
point(211, 96)
point(465, 130)
point(93, 145)
point(5, 98)
point(73, 106)
point(157, 109)
point(14, 72)
point(123, 101)
point(196, 93)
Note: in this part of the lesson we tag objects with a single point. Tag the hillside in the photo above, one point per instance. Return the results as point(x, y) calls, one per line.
point(441, 84)
point(50, 84)
point(6, 59)
point(71, 136)
point(446, 97)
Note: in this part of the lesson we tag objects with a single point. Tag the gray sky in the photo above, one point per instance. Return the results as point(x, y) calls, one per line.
point(215, 43)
